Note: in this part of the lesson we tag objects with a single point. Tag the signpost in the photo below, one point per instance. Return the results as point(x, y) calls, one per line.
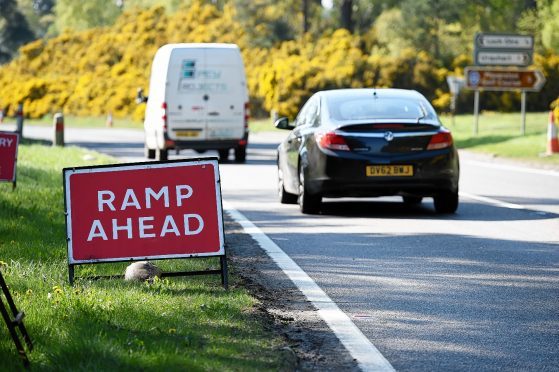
point(510, 50)
point(9, 142)
point(145, 211)
point(455, 85)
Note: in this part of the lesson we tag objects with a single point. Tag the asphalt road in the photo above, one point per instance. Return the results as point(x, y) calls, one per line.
point(478, 290)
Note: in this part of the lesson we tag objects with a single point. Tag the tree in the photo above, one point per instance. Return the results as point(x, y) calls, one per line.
point(82, 15)
point(346, 11)
point(14, 30)
point(550, 26)
point(39, 15)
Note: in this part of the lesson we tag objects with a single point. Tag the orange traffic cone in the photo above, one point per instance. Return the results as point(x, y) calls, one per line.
point(552, 141)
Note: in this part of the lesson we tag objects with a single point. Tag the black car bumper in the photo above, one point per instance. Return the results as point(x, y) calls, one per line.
point(340, 176)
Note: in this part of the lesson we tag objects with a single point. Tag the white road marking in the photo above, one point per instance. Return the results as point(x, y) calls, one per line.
point(496, 202)
point(541, 172)
point(365, 353)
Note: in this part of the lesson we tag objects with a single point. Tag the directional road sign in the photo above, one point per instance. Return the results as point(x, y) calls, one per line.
point(503, 49)
point(500, 79)
point(502, 58)
point(504, 41)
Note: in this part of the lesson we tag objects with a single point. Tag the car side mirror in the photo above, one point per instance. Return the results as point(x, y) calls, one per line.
point(140, 98)
point(283, 123)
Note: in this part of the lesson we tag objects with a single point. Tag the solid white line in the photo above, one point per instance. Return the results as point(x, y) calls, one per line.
point(492, 201)
point(361, 349)
point(541, 172)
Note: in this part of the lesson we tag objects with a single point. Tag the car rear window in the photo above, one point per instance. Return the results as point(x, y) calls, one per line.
point(343, 108)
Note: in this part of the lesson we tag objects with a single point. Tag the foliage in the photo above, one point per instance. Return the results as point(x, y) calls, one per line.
point(550, 26)
point(78, 15)
point(14, 29)
point(97, 71)
point(39, 15)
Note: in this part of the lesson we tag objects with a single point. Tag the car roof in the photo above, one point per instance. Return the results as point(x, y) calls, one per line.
point(379, 92)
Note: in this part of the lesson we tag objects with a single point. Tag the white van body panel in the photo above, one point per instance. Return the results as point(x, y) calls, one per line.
point(204, 89)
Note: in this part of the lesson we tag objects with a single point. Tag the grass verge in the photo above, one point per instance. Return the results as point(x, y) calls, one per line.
point(499, 134)
point(172, 324)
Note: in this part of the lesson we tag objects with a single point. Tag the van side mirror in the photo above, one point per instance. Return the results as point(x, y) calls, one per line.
point(283, 123)
point(140, 98)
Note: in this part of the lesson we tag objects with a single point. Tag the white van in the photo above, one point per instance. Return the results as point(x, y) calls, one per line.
point(198, 99)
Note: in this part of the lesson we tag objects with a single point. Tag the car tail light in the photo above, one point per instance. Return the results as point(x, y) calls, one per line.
point(331, 141)
point(164, 117)
point(440, 140)
point(247, 115)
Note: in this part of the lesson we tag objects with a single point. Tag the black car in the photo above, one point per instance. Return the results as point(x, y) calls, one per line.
point(367, 143)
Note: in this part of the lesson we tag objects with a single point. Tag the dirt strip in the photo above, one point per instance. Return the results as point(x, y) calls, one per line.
point(310, 344)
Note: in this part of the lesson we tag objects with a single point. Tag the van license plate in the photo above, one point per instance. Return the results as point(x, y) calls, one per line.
point(389, 170)
point(187, 133)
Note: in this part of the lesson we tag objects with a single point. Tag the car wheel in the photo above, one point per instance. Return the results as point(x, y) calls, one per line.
point(446, 202)
point(309, 203)
point(149, 153)
point(223, 154)
point(412, 200)
point(161, 154)
point(240, 154)
point(284, 196)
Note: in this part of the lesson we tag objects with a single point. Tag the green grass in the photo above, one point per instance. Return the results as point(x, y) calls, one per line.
point(500, 134)
point(262, 125)
point(187, 323)
point(81, 122)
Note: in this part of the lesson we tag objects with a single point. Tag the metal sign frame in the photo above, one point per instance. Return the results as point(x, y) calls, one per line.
point(15, 324)
point(221, 253)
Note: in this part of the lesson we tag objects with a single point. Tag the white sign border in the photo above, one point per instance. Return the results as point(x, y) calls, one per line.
point(68, 172)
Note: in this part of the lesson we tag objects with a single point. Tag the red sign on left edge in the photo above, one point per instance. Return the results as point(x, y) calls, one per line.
point(8, 156)
point(143, 211)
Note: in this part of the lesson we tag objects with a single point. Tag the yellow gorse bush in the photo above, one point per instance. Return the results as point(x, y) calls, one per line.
point(98, 71)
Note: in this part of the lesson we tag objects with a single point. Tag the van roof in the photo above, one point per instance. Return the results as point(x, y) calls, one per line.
point(199, 45)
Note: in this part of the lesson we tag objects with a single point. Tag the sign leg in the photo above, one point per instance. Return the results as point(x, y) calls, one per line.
point(11, 324)
point(523, 111)
point(224, 274)
point(71, 274)
point(476, 112)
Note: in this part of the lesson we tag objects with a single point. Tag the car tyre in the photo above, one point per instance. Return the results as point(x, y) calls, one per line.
point(446, 202)
point(161, 154)
point(309, 203)
point(240, 154)
point(412, 200)
point(284, 196)
point(149, 153)
point(223, 154)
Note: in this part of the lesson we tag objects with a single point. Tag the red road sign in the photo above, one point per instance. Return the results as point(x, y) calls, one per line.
point(500, 79)
point(143, 211)
point(8, 155)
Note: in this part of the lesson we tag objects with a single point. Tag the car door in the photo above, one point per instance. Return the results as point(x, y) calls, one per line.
point(296, 139)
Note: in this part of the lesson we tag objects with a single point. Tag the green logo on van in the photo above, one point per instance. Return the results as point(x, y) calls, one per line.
point(189, 69)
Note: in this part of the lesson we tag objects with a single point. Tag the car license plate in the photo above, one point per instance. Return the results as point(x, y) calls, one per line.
point(187, 133)
point(389, 170)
